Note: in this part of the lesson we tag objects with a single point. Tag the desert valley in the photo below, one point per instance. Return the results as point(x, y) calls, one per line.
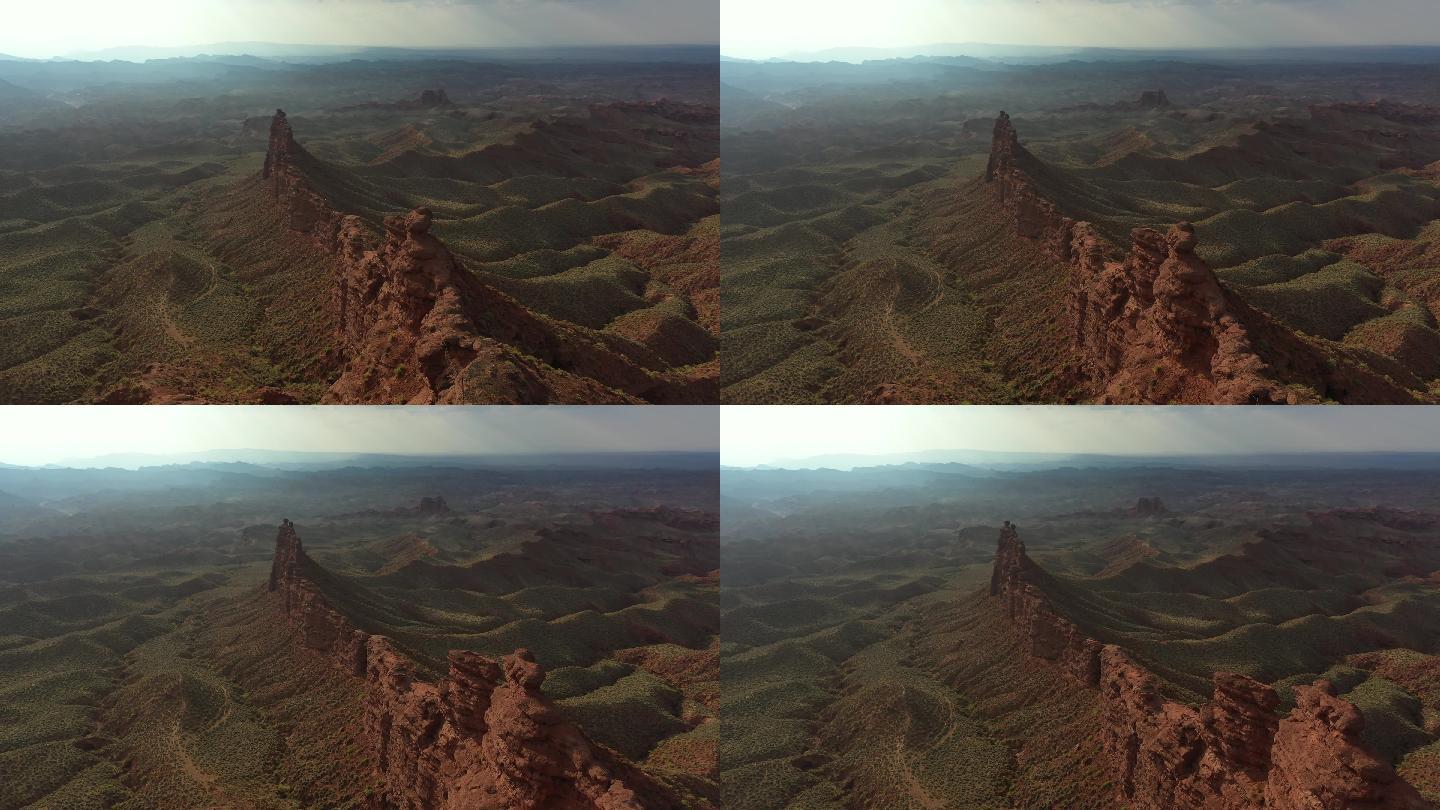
point(1094, 225)
point(1080, 629)
point(366, 632)
point(376, 226)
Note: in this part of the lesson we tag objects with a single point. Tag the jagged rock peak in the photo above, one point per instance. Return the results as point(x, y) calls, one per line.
point(288, 552)
point(434, 98)
point(433, 506)
point(1010, 558)
point(282, 144)
point(1004, 144)
point(1319, 760)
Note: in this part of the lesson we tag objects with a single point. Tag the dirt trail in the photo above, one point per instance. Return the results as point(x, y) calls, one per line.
point(916, 791)
point(188, 765)
point(913, 787)
point(898, 340)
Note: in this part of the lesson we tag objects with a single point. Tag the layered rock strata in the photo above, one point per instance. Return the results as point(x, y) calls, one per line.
point(483, 737)
point(1154, 324)
point(1233, 753)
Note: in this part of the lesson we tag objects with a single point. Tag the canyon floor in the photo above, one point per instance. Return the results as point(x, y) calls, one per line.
point(885, 240)
point(172, 637)
point(151, 255)
point(1140, 637)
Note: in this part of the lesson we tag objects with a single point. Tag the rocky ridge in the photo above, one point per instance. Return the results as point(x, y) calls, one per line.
point(483, 737)
point(1235, 752)
point(1154, 324)
point(415, 327)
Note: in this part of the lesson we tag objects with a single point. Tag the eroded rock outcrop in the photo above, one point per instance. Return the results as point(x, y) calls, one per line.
point(1320, 762)
point(1234, 753)
point(483, 737)
point(321, 627)
point(416, 327)
point(1154, 324)
point(420, 329)
point(1045, 633)
point(301, 207)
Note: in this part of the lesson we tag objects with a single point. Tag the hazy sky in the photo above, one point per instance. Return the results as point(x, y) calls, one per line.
point(59, 27)
point(762, 28)
point(762, 435)
point(48, 434)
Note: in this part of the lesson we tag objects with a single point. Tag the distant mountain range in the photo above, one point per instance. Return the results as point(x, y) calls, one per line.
point(998, 460)
point(983, 53)
point(262, 52)
point(240, 459)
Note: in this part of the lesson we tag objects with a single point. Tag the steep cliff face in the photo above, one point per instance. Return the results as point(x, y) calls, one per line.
point(321, 627)
point(301, 207)
point(482, 738)
point(1047, 635)
point(1233, 753)
point(1154, 324)
point(1319, 761)
point(420, 329)
point(416, 327)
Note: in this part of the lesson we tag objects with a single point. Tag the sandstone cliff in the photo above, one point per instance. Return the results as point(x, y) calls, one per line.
point(482, 738)
point(1154, 324)
point(416, 327)
point(1234, 753)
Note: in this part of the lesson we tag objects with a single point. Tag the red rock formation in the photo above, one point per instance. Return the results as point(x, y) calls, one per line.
point(321, 627)
point(1158, 327)
point(416, 327)
point(1046, 634)
point(1234, 753)
point(301, 207)
point(1167, 754)
point(482, 738)
point(1320, 762)
point(1155, 325)
point(420, 329)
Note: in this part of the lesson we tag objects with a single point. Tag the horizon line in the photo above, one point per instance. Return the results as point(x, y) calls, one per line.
point(70, 57)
